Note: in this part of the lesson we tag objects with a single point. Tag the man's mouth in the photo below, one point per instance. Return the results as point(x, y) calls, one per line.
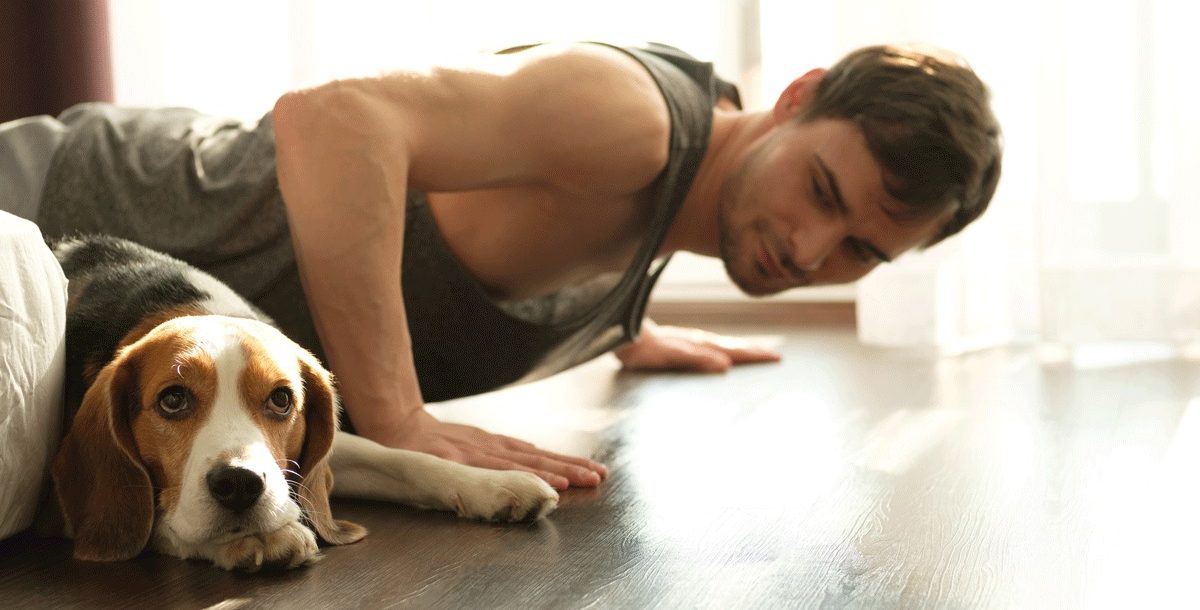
point(767, 265)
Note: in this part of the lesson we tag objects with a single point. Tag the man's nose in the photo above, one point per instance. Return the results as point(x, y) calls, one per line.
point(812, 245)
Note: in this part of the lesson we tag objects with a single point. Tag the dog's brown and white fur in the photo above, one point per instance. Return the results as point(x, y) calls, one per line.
point(201, 431)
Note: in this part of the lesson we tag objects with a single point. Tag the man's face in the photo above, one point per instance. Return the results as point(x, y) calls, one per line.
point(808, 207)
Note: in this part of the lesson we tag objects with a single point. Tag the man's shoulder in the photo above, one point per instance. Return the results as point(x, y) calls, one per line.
point(601, 115)
point(589, 64)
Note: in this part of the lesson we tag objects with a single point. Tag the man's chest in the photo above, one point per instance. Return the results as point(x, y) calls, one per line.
point(525, 242)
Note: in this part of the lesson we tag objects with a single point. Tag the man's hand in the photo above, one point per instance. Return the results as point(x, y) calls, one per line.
point(477, 447)
point(670, 348)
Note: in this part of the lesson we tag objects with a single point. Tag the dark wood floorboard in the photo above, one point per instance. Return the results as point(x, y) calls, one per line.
point(843, 477)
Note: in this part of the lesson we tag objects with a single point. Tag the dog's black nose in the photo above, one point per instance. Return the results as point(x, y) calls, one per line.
point(235, 488)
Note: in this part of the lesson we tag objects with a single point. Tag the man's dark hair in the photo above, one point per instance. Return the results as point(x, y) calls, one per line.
point(927, 120)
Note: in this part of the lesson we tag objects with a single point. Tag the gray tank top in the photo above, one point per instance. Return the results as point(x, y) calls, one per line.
point(204, 190)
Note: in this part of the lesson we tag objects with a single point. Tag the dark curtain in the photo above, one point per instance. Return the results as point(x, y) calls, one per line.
point(53, 54)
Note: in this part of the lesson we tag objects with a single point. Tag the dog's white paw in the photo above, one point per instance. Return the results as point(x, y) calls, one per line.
point(506, 495)
point(290, 546)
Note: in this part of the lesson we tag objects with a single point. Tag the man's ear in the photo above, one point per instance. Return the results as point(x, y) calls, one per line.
point(797, 95)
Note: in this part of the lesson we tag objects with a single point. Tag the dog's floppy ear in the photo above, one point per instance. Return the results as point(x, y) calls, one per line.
point(101, 485)
point(320, 412)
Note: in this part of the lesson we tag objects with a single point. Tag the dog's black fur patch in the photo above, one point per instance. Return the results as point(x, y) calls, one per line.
point(113, 285)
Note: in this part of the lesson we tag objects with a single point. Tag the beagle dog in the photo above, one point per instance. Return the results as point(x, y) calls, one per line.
point(197, 429)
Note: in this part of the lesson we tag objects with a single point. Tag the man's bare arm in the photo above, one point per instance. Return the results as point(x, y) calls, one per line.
point(347, 154)
point(347, 231)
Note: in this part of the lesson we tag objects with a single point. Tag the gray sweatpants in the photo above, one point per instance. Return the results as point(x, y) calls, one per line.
point(200, 188)
point(26, 148)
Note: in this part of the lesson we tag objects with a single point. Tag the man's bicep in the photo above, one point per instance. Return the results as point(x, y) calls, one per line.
point(562, 115)
point(450, 127)
point(581, 116)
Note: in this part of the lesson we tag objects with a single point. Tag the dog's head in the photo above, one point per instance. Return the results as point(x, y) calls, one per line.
point(201, 430)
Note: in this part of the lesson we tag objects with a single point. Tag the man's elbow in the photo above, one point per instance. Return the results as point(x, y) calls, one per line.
point(295, 114)
point(340, 115)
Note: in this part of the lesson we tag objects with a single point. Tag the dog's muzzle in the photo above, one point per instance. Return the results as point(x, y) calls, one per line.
point(235, 488)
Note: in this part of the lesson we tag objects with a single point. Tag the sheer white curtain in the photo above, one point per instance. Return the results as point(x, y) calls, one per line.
point(235, 58)
point(1094, 233)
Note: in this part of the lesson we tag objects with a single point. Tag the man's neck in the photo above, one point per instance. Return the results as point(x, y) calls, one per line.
point(696, 228)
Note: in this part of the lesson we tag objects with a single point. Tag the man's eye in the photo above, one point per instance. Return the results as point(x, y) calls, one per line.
point(860, 253)
point(822, 198)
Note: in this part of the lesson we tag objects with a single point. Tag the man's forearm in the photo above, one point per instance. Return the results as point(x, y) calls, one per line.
point(346, 206)
point(367, 343)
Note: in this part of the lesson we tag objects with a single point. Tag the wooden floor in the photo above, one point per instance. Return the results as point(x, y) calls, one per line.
point(843, 477)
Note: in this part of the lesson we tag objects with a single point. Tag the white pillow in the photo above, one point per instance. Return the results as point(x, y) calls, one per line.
point(33, 319)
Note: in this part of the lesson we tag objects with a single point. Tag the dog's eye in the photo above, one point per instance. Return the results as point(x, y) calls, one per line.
point(174, 402)
point(280, 401)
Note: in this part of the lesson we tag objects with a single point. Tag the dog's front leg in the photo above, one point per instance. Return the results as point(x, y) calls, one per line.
point(365, 469)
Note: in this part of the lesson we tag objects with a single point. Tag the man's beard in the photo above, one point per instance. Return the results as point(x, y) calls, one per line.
point(731, 243)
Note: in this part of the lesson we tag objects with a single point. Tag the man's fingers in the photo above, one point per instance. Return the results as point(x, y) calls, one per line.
point(675, 354)
point(499, 452)
point(517, 446)
point(479, 448)
point(579, 476)
point(497, 463)
point(560, 471)
point(740, 350)
point(689, 356)
point(709, 359)
point(581, 472)
point(747, 355)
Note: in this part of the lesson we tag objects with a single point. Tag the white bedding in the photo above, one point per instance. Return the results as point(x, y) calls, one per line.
point(33, 305)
